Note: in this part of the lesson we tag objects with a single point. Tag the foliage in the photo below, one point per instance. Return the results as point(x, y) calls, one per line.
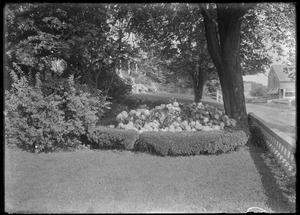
point(109, 138)
point(83, 38)
point(176, 30)
point(166, 42)
point(179, 41)
point(133, 102)
point(261, 91)
point(276, 25)
point(118, 88)
point(44, 122)
point(152, 89)
point(141, 88)
point(257, 138)
point(291, 71)
point(175, 118)
point(208, 142)
point(213, 85)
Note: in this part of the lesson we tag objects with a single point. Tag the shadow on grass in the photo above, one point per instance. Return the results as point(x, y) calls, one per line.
point(276, 200)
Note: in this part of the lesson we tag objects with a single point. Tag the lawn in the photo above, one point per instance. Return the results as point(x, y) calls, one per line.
point(102, 181)
point(165, 96)
point(183, 98)
point(122, 181)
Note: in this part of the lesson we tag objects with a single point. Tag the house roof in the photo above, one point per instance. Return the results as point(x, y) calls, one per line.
point(278, 69)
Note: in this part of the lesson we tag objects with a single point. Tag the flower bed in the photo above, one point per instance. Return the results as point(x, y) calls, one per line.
point(172, 129)
point(175, 118)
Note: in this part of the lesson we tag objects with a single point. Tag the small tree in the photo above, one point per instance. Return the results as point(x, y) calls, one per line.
point(261, 91)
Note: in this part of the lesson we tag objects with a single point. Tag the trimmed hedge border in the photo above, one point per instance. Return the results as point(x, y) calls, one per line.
point(186, 143)
point(168, 143)
point(112, 138)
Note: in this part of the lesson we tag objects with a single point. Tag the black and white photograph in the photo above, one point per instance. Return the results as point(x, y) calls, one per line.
point(149, 107)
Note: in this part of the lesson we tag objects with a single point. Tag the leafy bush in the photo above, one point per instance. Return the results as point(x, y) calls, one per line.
point(175, 118)
point(111, 138)
point(110, 115)
point(210, 142)
point(152, 89)
point(134, 103)
point(261, 91)
point(257, 138)
point(119, 87)
point(39, 122)
point(141, 88)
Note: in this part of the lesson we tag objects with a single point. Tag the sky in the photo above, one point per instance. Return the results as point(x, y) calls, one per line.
point(261, 78)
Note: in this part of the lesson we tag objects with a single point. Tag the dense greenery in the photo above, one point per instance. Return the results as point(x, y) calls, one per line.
point(39, 119)
point(63, 62)
point(260, 91)
point(108, 138)
point(178, 35)
point(257, 138)
point(79, 39)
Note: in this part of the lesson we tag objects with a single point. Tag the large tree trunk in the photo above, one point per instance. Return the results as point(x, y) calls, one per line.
point(223, 43)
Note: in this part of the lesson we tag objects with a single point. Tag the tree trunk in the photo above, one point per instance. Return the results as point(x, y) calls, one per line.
point(223, 43)
point(198, 87)
point(198, 91)
point(97, 77)
point(117, 64)
point(199, 78)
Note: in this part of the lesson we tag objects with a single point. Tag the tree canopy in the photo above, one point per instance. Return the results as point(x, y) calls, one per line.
point(165, 41)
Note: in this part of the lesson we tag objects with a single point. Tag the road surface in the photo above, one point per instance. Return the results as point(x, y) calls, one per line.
point(283, 119)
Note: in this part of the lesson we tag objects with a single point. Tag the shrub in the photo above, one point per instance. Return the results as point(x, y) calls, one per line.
point(119, 87)
point(152, 89)
point(134, 103)
point(111, 138)
point(141, 88)
point(175, 117)
point(293, 102)
point(38, 122)
point(110, 115)
point(209, 142)
point(257, 138)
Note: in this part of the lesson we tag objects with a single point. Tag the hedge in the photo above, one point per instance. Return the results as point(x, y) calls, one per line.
point(257, 138)
point(168, 143)
point(112, 138)
point(186, 143)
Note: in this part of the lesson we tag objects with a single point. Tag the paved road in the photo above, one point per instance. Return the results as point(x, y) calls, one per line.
point(281, 118)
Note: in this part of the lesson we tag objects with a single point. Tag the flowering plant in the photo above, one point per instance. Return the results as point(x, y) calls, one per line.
point(175, 117)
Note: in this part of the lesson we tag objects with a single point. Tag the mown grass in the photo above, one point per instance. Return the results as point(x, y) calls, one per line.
point(122, 181)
